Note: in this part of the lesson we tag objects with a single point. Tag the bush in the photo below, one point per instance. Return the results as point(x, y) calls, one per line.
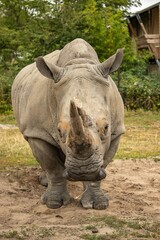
point(139, 88)
point(8, 71)
point(5, 107)
point(141, 92)
point(5, 92)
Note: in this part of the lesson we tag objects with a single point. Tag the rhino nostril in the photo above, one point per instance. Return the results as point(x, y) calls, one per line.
point(102, 173)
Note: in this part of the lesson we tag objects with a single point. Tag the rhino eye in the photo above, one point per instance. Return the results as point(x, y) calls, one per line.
point(103, 130)
point(102, 127)
point(60, 132)
point(106, 127)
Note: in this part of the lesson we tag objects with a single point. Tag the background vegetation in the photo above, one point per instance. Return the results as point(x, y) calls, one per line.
point(30, 28)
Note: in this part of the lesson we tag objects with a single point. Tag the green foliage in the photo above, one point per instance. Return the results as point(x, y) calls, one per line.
point(141, 92)
point(5, 107)
point(30, 28)
point(102, 25)
point(139, 88)
point(5, 94)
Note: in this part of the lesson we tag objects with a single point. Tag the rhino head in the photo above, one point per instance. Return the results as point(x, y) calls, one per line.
point(84, 126)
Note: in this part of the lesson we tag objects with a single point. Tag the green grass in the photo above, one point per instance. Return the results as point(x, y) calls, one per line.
point(27, 233)
point(108, 227)
point(14, 150)
point(141, 140)
point(7, 118)
point(122, 228)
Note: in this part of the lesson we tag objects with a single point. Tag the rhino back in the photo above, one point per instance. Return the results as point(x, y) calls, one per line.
point(34, 102)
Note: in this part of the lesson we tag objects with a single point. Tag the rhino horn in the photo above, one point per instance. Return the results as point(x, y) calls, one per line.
point(85, 118)
point(76, 121)
point(80, 141)
point(48, 69)
point(111, 64)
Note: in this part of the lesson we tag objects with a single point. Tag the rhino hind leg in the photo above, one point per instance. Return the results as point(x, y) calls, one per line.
point(48, 156)
point(93, 196)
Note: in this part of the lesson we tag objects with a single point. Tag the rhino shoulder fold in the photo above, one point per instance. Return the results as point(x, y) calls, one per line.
point(118, 132)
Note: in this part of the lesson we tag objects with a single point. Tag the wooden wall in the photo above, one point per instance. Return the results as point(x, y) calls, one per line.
point(144, 27)
point(150, 20)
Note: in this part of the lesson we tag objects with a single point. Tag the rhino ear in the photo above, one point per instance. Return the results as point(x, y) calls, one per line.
point(49, 70)
point(111, 64)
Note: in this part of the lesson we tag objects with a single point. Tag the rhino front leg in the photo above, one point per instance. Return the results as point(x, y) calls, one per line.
point(47, 155)
point(93, 196)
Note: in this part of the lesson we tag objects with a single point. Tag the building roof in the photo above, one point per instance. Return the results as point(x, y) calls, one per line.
point(145, 9)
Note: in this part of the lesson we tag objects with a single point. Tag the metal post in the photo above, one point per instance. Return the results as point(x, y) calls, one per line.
point(141, 23)
point(119, 79)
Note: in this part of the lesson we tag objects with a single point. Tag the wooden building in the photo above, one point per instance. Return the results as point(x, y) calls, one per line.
point(144, 26)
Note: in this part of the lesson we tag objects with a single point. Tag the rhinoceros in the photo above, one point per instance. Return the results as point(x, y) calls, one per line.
point(71, 113)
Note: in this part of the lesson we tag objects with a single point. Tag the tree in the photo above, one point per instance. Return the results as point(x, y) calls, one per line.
point(100, 22)
point(31, 28)
point(35, 27)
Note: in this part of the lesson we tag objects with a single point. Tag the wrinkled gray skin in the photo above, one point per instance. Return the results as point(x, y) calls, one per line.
point(71, 113)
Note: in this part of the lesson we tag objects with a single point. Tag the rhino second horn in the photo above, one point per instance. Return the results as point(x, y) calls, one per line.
point(87, 122)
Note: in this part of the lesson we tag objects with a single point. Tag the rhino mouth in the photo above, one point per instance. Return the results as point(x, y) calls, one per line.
point(95, 176)
point(88, 169)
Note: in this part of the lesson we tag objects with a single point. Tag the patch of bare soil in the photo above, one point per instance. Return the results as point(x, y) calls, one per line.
point(133, 187)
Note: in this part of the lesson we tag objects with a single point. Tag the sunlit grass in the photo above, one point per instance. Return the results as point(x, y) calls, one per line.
point(14, 150)
point(7, 118)
point(142, 137)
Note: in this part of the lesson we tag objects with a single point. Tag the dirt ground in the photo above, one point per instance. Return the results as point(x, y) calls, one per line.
point(133, 187)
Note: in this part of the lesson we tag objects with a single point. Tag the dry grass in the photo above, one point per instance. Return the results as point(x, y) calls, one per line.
point(14, 150)
point(142, 137)
point(141, 140)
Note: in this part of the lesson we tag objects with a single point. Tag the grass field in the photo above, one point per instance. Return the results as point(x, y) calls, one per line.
point(141, 140)
point(142, 137)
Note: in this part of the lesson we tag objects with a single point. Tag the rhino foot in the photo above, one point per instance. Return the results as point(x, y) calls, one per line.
point(96, 200)
point(55, 199)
